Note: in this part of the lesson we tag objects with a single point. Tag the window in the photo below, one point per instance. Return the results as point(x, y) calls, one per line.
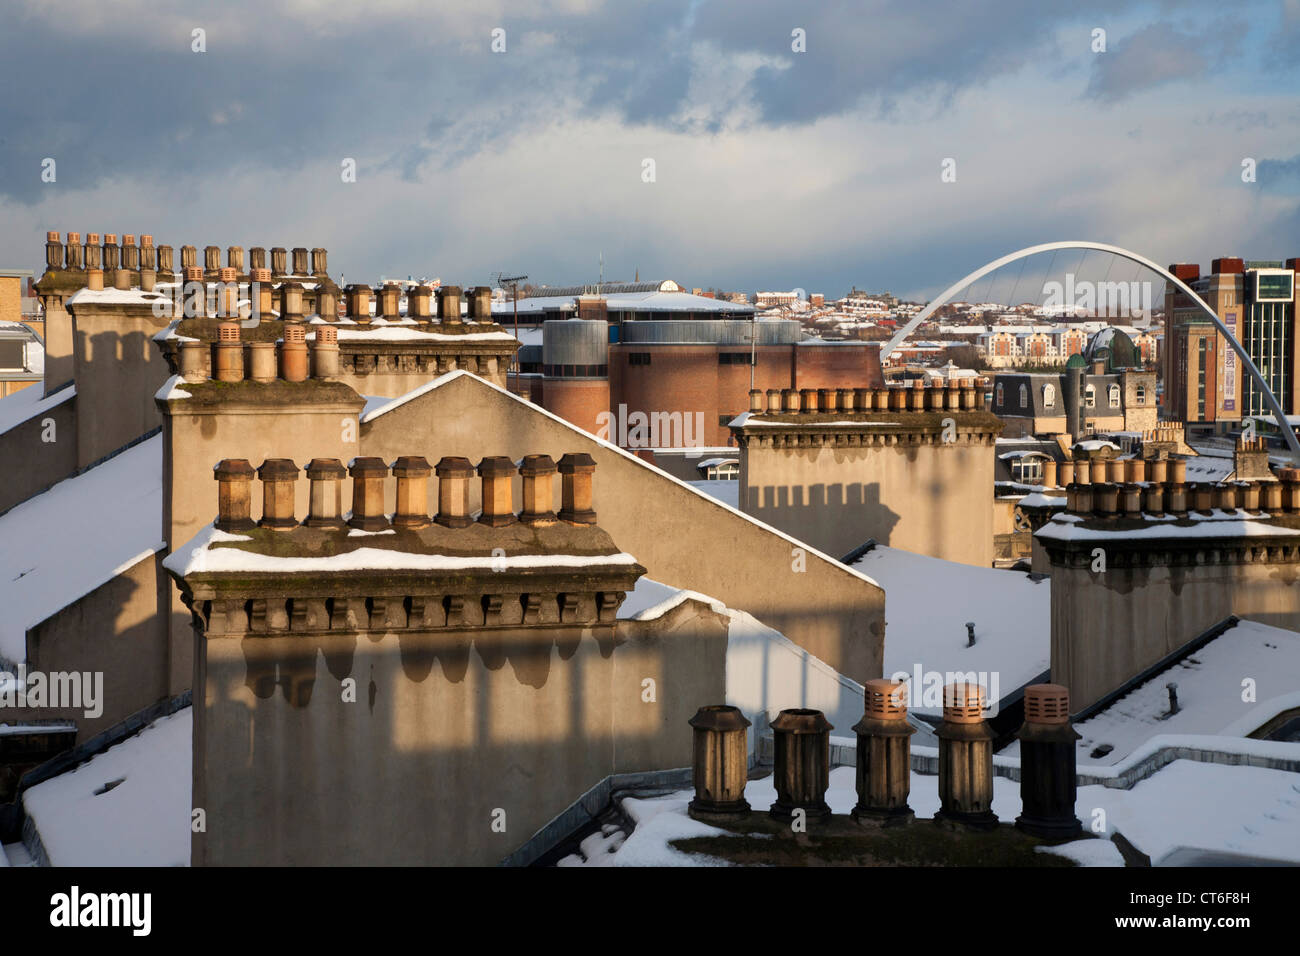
point(1089, 397)
point(638, 358)
point(733, 358)
point(1028, 469)
point(999, 402)
point(724, 471)
point(1113, 396)
point(1049, 395)
point(11, 353)
point(1024, 396)
point(1140, 395)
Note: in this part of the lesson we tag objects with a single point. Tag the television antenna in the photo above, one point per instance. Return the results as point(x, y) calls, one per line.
point(505, 279)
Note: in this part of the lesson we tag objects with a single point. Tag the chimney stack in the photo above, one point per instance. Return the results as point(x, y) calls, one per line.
point(576, 472)
point(228, 363)
point(94, 254)
point(417, 303)
point(538, 472)
point(454, 475)
point(803, 764)
point(480, 304)
point(319, 265)
point(965, 758)
point(412, 473)
point(325, 353)
point(449, 305)
point(325, 509)
point(111, 260)
point(192, 370)
point(234, 494)
point(720, 764)
point(497, 474)
point(278, 262)
point(229, 304)
point(53, 250)
point(278, 476)
point(884, 754)
point(73, 252)
point(1047, 764)
point(368, 476)
point(358, 303)
point(300, 261)
point(293, 353)
point(291, 308)
point(262, 294)
point(261, 362)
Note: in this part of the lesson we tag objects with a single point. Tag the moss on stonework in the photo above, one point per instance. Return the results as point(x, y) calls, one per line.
point(842, 842)
point(205, 329)
point(277, 392)
point(475, 541)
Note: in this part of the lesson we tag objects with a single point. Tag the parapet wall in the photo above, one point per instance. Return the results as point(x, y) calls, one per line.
point(910, 467)
point(430, 688)
point(1142, 566)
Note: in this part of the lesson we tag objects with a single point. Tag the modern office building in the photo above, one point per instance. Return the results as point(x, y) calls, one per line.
point(1204, 382)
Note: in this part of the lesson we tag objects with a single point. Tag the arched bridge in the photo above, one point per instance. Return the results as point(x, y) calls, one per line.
point(1274, 406)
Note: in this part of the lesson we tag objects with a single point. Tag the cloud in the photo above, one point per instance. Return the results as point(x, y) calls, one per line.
point(1161, 53)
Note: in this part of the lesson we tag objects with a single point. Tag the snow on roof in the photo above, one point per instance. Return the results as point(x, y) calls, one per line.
point(928, 602)
point(83, 532)
point(663, 819)
point(27, 403)
point(144, 820)
point(119, 297)
point(1269, 655)
point(393, 332)
point(714, 462)
point(624, 301)
point(1092, 444)
point(199, 556)
point(1216, 524)
point(1192, 813)
point(1210, 468)
point(727, 492)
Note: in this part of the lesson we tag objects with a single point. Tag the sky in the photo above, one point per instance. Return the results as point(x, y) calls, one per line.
point(499, 136)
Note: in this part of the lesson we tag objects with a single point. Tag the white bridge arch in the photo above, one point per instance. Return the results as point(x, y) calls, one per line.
point(1274, 406)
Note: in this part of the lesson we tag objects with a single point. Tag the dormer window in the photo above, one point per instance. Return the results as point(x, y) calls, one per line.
point(1049, 395)
point(1113, 393)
